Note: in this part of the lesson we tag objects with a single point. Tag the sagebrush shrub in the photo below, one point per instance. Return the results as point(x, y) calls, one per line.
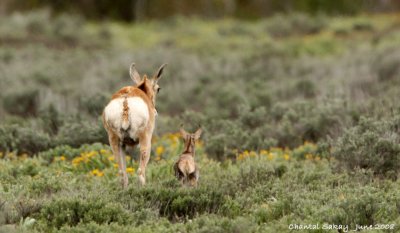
point(174, 203)
point(24, 103)
point(387, 65)
point(78, 132)
point(371, 144)
point(71, 211)
point(23, 139)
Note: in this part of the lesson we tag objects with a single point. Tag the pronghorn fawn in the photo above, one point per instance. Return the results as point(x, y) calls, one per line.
point(185, 168)
point(129, 120)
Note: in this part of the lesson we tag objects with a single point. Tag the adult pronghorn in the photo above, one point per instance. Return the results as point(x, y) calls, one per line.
point(129, 119)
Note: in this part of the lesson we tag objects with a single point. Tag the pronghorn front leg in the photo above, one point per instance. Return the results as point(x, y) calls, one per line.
point(145, 147)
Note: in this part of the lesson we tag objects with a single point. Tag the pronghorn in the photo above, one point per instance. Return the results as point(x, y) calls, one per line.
point(185, 168)
point(129, 119)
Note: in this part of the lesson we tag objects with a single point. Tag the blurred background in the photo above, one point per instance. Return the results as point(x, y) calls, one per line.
point(255, 74)
point(139, 10)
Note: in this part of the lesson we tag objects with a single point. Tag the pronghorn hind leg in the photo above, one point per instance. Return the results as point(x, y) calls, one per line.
point(123, 166)
point(145, 146)
point(114, 143)
point(119, 157)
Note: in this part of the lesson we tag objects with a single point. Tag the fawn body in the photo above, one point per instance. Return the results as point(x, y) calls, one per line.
point(186, 169)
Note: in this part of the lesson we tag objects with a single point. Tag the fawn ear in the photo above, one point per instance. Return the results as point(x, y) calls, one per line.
point(159, 72)
point(183, 132)
point(197, 134)
point(134, 74)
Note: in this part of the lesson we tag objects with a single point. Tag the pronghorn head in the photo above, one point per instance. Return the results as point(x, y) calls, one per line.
point(190, 139)
point(148, 85)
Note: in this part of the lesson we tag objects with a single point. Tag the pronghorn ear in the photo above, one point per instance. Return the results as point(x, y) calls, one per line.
point(134, 74)
point(197, 134)
point(183, 132)
point(142, 85)
point(159, 72)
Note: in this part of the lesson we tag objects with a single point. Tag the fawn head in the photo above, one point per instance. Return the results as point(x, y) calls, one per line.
point(190, 139)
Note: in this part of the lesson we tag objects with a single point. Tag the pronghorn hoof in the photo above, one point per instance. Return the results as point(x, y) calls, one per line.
point(142, 180)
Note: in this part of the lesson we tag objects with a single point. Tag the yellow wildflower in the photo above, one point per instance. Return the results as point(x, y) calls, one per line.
point(62, 158)
point(94, 172)
point(103, 151)
point(97, 172)
point(130, 170)
point(263, 152)
point(76, 161)
point(159, 150)
point(115, 165)
point(111, 158)
point(11, 155)
point(91, 154)
point(271, 156)
point(286, 157)
point(276, 149)
point(309, 156)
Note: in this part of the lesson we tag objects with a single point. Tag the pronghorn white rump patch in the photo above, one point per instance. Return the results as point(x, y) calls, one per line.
point(137, 119)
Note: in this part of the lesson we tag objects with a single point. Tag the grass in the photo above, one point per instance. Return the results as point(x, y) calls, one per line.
point(260, 191)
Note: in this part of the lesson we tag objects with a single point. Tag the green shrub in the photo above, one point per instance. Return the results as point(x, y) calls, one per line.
point(51, 120)
point(46, 185)
point(371, 145)
point(363, 26)
point(23, 139)
point(218, 224)
point(287, 25)
point(23, 103)
point(304, 122)
point(387, 66)
point(29, 167)
point(93, 105)
point(366, 206)
point(71, 211)
point(78, 132)
point(69, 152)
point(174, 203)
point(306, 88)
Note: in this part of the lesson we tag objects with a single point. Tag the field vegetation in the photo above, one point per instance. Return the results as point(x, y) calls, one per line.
point(300, 115)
